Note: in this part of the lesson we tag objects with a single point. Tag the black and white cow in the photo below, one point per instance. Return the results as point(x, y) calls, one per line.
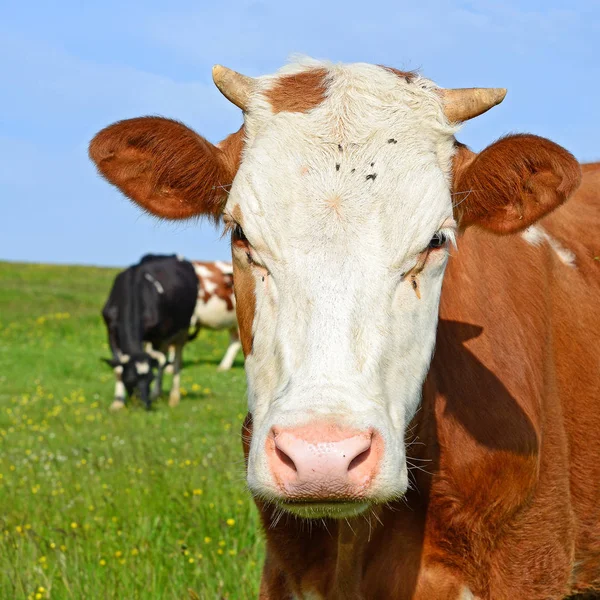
point(149, 308)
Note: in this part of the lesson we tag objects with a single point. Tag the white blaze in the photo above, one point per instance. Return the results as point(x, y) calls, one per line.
point(338, 203)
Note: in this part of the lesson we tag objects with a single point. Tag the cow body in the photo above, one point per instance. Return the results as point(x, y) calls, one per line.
point(215, 307)
point(149, 308)
point(504, 452)
point(466, 473)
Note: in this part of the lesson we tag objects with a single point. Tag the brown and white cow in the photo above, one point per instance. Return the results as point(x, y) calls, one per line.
point(215, 308)
point(379, 471)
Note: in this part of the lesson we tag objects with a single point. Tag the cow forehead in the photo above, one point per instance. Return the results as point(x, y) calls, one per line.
point(373, 152)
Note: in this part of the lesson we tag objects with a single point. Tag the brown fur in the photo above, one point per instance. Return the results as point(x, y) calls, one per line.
point(508, 505)
point(245, 303)
point(166, 168)
point(513, 182)
point(298, 93)
point(222, 282)
point(408, 76)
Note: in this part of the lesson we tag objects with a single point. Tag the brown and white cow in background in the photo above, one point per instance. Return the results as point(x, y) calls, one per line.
point(215, 308)
point(348, 189)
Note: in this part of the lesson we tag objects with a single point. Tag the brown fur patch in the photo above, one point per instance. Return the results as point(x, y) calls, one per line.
point(512, 183)
point(298, 93)
point(334, 202)
point(232, 147)
point(408, 76)
point(245, 298)
point(221, 284)
point(165, 167)
point(236, 213)
point(505, 497)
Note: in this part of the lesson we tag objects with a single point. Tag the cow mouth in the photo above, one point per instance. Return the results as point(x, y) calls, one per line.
point(321, 509)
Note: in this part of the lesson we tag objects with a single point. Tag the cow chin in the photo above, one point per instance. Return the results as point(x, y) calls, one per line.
point(324, 510)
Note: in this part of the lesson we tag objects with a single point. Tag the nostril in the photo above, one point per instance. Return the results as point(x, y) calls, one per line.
point(285, 459)
point(360, 459)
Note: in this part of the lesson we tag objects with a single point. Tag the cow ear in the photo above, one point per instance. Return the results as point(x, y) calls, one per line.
point(512, 183)
point(111, 362)
point(165, 167)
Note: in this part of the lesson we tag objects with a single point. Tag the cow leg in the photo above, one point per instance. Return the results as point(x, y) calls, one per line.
point(234, 348)
point(119, 398)
point(170, 359)
point(175, 395)
point(158, 382)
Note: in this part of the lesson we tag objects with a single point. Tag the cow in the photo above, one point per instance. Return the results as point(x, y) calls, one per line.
point(420, 329)
point(215, 307)
point(149, 308)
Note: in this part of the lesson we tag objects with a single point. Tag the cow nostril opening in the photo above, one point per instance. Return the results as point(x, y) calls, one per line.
point(285, 459)
point(360, 459)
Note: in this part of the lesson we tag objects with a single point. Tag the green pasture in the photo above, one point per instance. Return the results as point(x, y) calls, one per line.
point(101, 505)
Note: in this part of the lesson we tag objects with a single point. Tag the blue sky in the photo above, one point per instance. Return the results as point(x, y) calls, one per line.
point(69, 68)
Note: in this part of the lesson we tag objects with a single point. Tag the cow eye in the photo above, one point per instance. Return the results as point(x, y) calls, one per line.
point(238, 234)
point(438, 240)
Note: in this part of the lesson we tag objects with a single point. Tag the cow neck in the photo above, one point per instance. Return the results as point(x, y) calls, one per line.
point(131, 326)
point(330, 557)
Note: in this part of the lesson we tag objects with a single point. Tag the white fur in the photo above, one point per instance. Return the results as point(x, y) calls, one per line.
point(226, 268)
point(119, 385)
point(213, 314)
point(203, 271)
point(537, 235)
point(209, 285)
point(158, 355)
point(338, 333)
point(142, 368)
point(159, 288)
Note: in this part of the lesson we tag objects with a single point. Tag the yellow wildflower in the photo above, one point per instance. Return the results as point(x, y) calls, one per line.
point(231, 522)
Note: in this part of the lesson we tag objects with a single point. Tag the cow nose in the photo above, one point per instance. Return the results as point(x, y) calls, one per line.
point(320, 462)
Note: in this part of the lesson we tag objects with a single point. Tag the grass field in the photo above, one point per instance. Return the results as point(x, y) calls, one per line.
point(102, 505)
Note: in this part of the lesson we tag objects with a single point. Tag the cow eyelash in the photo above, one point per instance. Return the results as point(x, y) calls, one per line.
point(442, 238)
point(238, 233)
point(438, 240)
point(238, 238)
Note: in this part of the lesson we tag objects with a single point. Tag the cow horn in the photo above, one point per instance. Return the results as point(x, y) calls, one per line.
point(462, 104)
point(233, 85)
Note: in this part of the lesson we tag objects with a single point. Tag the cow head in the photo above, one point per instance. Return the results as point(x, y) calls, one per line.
point(136, 372)
point(344, 193)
